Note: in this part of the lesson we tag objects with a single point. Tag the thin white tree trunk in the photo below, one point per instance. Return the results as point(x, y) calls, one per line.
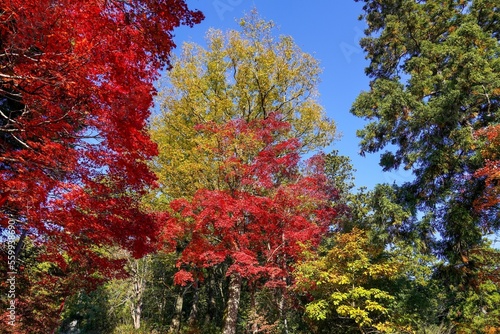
point(139, 269)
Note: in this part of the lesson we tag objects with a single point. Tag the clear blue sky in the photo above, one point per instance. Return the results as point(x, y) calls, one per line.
point(328, 30)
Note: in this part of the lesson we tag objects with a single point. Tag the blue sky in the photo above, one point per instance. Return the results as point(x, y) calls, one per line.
point(328, 31)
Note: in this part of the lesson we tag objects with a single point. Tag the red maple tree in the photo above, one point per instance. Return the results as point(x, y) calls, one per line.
point(265, 206)
point(76, 85)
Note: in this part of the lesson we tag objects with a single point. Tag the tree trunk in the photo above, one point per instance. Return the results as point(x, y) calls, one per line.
point(20, 245)
point(175, 325)
point(193, 315)
point(136, 314)
point(233, 303)
point(282, 311)
point(211, 314)
point(282, 301)
point(139, 269)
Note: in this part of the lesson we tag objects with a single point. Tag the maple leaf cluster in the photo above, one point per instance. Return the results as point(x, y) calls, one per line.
point(76, 85)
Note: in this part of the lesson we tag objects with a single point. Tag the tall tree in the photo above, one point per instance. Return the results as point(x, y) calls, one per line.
point(435, 73)
point(245, 75)
point(76, 85)
point(263, 207)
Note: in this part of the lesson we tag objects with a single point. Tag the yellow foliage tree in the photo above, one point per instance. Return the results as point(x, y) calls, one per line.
point(343, 284)
point(245, 74)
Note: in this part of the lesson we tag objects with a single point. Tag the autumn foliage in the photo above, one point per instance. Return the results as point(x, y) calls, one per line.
point(491, 170)
point(241, 232)
point(76, 85)
point(264, 208)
